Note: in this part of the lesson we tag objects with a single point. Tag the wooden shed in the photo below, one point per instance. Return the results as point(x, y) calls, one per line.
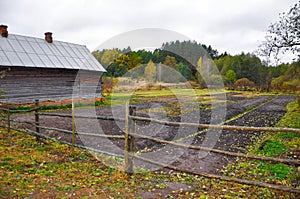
point(45, 69)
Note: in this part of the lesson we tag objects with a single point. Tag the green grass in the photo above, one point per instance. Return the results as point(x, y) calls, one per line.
point(280, 145)
point(292, 118)
point(272, 148)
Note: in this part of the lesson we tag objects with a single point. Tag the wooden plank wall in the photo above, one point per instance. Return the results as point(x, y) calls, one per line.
point(25, 84)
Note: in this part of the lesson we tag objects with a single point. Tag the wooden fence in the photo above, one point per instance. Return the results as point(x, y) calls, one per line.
point(130, 134)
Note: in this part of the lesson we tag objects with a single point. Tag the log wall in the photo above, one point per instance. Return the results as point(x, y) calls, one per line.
point(25, 84)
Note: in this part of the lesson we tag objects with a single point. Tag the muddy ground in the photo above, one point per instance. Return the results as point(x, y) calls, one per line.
point(261, 111)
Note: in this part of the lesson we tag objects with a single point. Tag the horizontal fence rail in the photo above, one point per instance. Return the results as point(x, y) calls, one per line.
point(83, 116)
point(181, 124)
point(18, 111)
point(130, 134)
point(82, 133)
point(221, 127)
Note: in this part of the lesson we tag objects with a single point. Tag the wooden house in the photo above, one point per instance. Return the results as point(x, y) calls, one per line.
point(45, 69)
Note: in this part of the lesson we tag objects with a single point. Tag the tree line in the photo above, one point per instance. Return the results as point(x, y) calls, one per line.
point(181, 61)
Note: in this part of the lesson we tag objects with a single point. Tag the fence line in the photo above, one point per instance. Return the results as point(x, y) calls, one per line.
point(263, 158)
point(183, 124)
point(271, 159)
point(130, 135)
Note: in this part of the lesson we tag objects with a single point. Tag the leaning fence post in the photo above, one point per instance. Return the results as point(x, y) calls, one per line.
point(37, 119)
point(128, 145)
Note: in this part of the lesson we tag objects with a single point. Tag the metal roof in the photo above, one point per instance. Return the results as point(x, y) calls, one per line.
point(18, 50)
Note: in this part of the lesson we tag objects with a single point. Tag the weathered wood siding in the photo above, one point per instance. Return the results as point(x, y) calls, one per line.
point(25, 84)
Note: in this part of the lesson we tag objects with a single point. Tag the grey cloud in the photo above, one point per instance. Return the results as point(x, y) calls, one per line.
point(94, 21)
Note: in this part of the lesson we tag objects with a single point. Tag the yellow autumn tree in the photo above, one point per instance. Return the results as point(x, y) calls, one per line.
point(198, 76)
point(150, 71)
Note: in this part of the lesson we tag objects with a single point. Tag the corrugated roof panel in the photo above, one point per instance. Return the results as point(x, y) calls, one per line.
point(82, 51)
point(90, 61)
point(77, 52)
point(19, 37)
point(46, 48)
point(72, 62)
point(3, 59)
point(65, 63)
point(36, 60)
point(13, 58)
point(46, 60)
point(96, 63)
point(16, 46)
point(62, 51)
point(55, 61)
point(5, 46)
point(12, 36)
point(70, 51)
point(55, 50)
point(38, 40)
point(30, 39)
point(36, 47)
point(25, 59)
point(26, 46)
point(81, 64)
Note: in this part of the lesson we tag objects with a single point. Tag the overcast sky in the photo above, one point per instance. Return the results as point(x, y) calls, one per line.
point(232, 25)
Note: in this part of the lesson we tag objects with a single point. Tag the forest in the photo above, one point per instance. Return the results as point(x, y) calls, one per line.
point(181, 61)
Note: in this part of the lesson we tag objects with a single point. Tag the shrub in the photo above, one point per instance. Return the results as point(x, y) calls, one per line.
point(108, 84)
point(243, 84)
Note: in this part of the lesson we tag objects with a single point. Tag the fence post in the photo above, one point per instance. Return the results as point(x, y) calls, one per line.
point(73, 123)
point(8, 121)
point(37, 119)
point(132, 110)
point(8, 125)
point(129, 140)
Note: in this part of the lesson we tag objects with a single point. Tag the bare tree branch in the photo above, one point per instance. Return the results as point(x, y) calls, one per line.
point(283, 36)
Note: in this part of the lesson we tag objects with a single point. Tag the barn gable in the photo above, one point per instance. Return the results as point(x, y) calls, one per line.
point(42, 69)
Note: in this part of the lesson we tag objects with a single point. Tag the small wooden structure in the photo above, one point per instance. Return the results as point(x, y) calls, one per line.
point(45, 69)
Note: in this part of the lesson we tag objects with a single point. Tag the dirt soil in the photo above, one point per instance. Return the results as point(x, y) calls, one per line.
point(269, 111)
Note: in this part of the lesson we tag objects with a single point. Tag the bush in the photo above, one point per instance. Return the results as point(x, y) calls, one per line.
point(243, 84)
point(108, 83)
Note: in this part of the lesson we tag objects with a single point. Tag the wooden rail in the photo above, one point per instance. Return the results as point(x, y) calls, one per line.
point(83, 116)
point(212, 126)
